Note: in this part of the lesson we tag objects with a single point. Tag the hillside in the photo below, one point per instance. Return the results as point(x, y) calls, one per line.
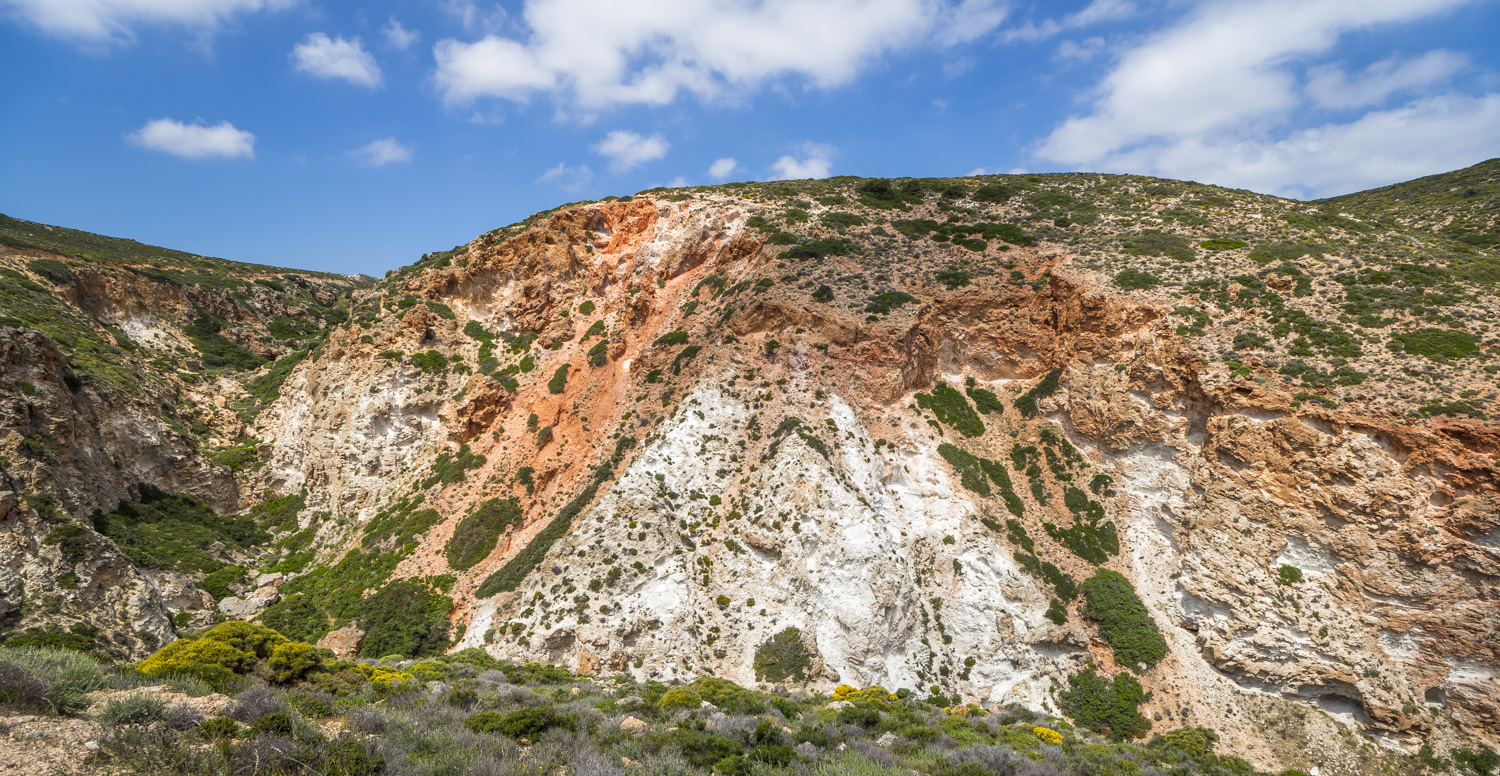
point(974, 438)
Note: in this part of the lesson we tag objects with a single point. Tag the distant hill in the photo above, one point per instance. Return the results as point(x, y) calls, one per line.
point(1463, 205)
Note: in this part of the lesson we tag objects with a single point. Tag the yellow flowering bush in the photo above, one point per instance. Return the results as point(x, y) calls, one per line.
point(841, 693)
point(385, 677)
point(1047, 735)
point(293, 659)
point(186, 656)
point(680, 698)
point(876, 694)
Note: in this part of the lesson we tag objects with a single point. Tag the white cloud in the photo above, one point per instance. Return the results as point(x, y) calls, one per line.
point(816, 162)
point(1431, 135)
point(1331, 87)
point(677, 183)
point(627, 150)
point(721, 169)
point(1096, 12)
point(100, 21)
point(1212, 99)
point(194, 141)
point(324, 57)
point(1075, 51)
point(379, 153)
point(567, 178)
point(602, 53)
point(397, 36)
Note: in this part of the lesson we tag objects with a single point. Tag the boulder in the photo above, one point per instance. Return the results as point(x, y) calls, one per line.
point(634, 726)
point(345, 642)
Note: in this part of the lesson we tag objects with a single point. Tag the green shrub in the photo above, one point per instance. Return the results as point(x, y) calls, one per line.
point(783, 657)
point(559, 379)
point(1288, 575)
point(1047, 386)
point(1132, 279)
point(700, 748)
point(440, 310)
point(1158, 243)
point(430, 361)
point(56, 272)
point(883, 303)
point(1111, 709)
point(1222, 244)
point(678, 337)
point(133, 710)
point(72, 541)
point(216, 349)
point(823, 294)
point(1110, 600)
point(405, 618)
point(175, 532)
point(951, 408)
point(1436, 344)
point(218, 729)
point(526, 723)
point(475, 536)
point(449, 468)
point(993, 192)
point(1269, 253)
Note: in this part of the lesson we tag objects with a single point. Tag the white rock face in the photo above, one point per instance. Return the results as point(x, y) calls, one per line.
point(856, 550)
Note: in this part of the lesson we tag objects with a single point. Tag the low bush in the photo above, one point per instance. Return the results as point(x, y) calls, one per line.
point(783, 657)
point(1110, 600)
point(475, 536)
point(48, 681)
point(1109, 708)
point(133, 710)
point(951, 408)
point(526, 723)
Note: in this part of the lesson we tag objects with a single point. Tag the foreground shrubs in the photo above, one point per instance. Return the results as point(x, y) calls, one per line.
point(48, 681)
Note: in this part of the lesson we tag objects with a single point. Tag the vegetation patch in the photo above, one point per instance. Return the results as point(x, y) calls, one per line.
point(1047, 386)
point(175, 532)
point(1109, 708)
point(1437, 344)
point(559, 380)
point(404, 618)
point(1110, 600)
point(783, 657)
point(475, 536)
point(951, 408)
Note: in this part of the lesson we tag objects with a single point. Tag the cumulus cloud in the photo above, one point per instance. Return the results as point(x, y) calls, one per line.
point(627, 150)
point(721, 169)
point(1213, 98)
point(379, 153)
point(567, 178)
point(602, 53)
point(1331, 87)
point(816, 161)
point(195, 141)
point(116, 20)
point(323, 57)
point(397, 36)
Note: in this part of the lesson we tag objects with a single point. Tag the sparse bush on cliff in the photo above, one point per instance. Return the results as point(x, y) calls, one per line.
point(783, 657)
point(476, 535)
point(1124, 622)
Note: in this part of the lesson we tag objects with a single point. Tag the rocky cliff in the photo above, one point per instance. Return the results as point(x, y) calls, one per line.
point(880, 432)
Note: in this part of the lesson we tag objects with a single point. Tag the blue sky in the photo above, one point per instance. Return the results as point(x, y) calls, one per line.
point(354, 136)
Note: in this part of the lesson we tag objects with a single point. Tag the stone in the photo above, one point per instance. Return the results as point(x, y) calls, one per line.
point(838, 705)
point(237, 608)
point(273, 579)
point(887, 740)
point(634, 726)
point(630, 702)
point(807, 749)
point(345, 642)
